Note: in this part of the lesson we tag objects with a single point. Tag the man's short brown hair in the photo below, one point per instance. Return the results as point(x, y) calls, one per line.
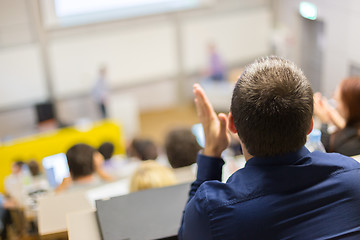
point(80, 158)
point(272, 107)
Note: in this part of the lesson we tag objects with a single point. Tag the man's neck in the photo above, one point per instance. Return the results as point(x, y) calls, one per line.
point(247, 155)
point(85, 179)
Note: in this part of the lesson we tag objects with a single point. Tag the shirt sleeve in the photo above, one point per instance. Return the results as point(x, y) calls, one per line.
point(195, 222)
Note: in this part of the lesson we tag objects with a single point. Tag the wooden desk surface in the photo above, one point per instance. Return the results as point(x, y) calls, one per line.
point(53, 210)
point(83, 225)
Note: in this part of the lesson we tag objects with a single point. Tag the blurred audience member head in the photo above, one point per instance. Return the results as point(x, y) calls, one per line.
point(347, 96)
point(107, 150)
point(151, 174)
point(17, 167)
point(80, 159)
point(102, 70)
point(143, 149)
point(34, 168)
point(181, 147)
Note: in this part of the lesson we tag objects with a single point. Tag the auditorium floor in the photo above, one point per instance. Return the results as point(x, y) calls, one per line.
point(156, 124)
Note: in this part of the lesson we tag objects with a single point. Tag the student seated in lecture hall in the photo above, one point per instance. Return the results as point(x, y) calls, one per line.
point(13, 198)
point(118, 166)
point(181, 149)
point(110, 164)
point(14, 183)
point(121, 167)
point(284, 191)
point(85, 166)
point(142, 149)
point(39, 181)
point(151, 174)
point(346, 118)
point(23, 188)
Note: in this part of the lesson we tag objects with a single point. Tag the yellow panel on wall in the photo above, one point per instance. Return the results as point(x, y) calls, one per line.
point(41, 145)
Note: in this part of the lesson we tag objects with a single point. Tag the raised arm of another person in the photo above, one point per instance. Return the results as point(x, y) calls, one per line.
point(217, 138)
point(326, 113)
point(65, 184)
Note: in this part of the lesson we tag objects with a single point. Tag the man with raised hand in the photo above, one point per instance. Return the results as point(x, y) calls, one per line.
point(284, 191)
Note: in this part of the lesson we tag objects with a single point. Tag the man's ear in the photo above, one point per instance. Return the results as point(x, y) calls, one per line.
point(232, 124)
point(311, 126)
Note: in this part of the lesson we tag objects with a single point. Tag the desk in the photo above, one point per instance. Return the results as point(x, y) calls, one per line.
point(53, 210)
point(83, 225)
point(130, 220)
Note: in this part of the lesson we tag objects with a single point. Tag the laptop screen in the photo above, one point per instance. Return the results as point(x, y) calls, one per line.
point(149, 214)
point(56, 169)
point(198, 131)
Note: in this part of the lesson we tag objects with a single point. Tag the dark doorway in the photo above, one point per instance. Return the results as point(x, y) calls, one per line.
point(311, 47)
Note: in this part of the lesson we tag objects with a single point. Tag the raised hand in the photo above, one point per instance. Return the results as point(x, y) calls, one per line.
point(321, 108)
point(326, 113)
point(217, 137)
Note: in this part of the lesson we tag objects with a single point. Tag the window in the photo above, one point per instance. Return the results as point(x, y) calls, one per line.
point(62, 13)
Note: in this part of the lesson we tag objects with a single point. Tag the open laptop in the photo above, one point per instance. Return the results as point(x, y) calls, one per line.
point(148, 214)
point(56, 168)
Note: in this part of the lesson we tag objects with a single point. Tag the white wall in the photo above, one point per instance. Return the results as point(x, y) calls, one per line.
point(137, 53)
point(238, 36)
point(22, 80)
point(21, 76)
point(132, 55)
point(15, 27)
point(147, 57)
point(341, 37)
point(17, 123)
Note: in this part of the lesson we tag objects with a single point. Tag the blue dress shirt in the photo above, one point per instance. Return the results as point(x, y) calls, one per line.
point(300, 195)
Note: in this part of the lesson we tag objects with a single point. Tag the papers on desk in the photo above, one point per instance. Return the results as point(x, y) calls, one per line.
point(53, 210)
point(83, 225)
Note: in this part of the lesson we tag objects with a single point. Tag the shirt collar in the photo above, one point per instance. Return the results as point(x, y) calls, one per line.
point(286, 159)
